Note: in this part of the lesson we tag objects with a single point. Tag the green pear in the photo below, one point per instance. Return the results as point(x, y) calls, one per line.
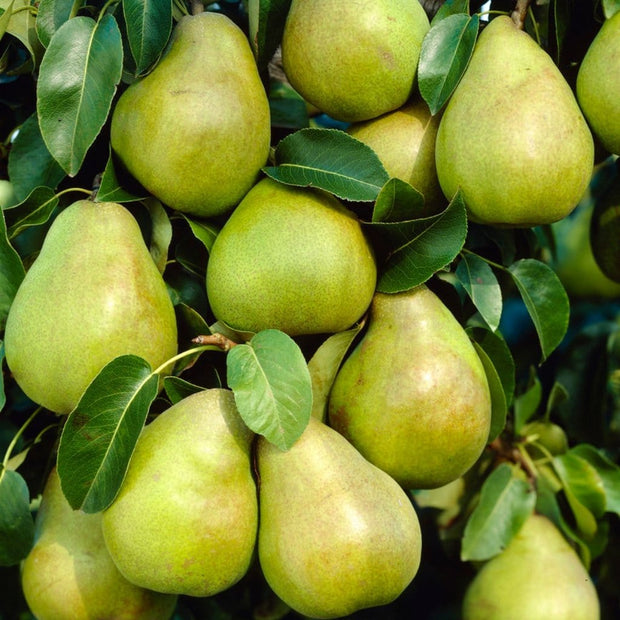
point(196, 131)
point(413, 396)
point(293, 259)
point(404, 141)
point(70, 574)
point(605, 231)
point(538, 576)
point(598, 84)
point(548, 435)
point(336, 533)
point(93, 293)
point(512, 136)
point(185, 518)
point(353, 60)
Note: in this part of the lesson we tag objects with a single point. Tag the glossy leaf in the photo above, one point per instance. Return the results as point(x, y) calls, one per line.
point(177, 389)
point(77, 82)
point(51, 15)
point(444, 56)
point(22, 27)
point(100, 434)
point(111, 190)
point(203, 231)
point(506, 501)
point(397, 201)
point(161, 233)
point(329, 159)
point(527, 403)
point(545, 299)
point(267, 19)
point(11, 274)
point(450, 7)
point(271, 383)
point(16, 523)
point(34, 210)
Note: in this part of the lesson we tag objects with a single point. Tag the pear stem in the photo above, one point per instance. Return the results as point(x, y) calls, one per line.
point(197, 7)
point(217, 340)
point(519, 13)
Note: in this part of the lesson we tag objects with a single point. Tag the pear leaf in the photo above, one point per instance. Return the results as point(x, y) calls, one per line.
point(22, 25)
point(100, 434)
point(545, 299)
point(527, 403)
point(78, 77)
point(111, 190)
point(2, 393)
point(506, 501)
point(268, 26)
point(161, 232)
point(177, 389)
point(329, 159)
point(11, 274)
point(203, 231)
point(397, 201)
point(450, 7)
point(149, 23)
point(271, 383)
point(444, 56)
point(482, 286)
point(16, 523)
point(610, 7)
point(5, 17)
point(52, 14)
point(35, 209)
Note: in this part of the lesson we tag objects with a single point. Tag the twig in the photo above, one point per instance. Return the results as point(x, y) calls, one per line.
point(519, 13)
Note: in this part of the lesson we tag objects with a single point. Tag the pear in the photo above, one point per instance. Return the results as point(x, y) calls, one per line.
point(404, 141)
point(196, 131)
point(70, 574)
point(93, 293)
point(336, 534)
point(293, 259)
point(512, 136)
point(538, 576)
point(598, 84)
point(413, 396)
point(185, 518)
point(353, 60)
point(549, 436)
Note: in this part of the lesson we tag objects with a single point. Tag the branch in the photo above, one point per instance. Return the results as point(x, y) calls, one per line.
point(216, 340)
point(519, 13)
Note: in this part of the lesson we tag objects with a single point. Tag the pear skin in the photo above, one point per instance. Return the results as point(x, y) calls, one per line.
point(336, 534)
point(512, 136)
point(185, 518)
point(92, 294)
point(413, 396)
point(70, 574)
point(196, 131)
point(538, 576)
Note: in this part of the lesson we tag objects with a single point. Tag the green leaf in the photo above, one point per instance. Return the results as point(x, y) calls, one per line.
point(271, 383)
point(444, 56)
point(267, 18)
point(5, 17)
point(51, 15)
point(11, 274)
point(149, 23)
point(545, 299)
point(329, 159)
point(111, 190)
point(16, 523)
point(30, 163)
point(506, 501)
point(450, 7)
point(397, 201)
point(480, 283)
point(2, 393)
point(34, 210)
point(100, 434)
point(527, 404)
point(177, 389)
point(203, 231)
point(22, 26)
point(610, 7)
point(77, 82)
point(161, 233)
point(421, 247)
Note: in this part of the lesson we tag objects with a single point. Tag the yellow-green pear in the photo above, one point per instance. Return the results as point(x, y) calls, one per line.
point(293, 259)
point(336, 533)
point(538, 576)
point(185, 518)
point(512, 136)
point(353, 60)
point(548, 438)
point(196, 131)
point(413, 396)
point(404, 141)
point(70, 574)
point(93, 293)
point(598, 84)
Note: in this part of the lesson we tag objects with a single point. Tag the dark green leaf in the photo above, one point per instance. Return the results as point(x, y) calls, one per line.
point(450, 7)
point(34, 210)
point(161, 233)
point(100, 434)
point(177, 389)
point(77, 81)
point(203, 231)
point(545, 299)
point(111, 190)
point(11, 274)
point(561, 12)
point(444, 56)
point(527, 403)
point(397, 201)
point(271, 383)
point(329, 159)
point(480, 283)
point(16, 524)
point(2, 393)
point(149, 23)
point(506, 501)
point(51, 15)
point(421, 247)
point(267, 18)
point(288, 109)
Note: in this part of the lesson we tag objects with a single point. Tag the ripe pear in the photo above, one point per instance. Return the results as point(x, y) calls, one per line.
point(196, 131)
point(353, 60)
point(538, 576)
point(598, 84)
point(92, 294)
point(293, 259)
point(512, 136)
point(70, 574)
point(185, 518)
point(336, 534)
point(413, 396)
point(404, 141)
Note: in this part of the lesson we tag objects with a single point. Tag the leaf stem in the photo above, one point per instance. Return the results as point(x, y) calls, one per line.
point(103, 10)
point(11, 446)
point(178, 357)
point(486, 260)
